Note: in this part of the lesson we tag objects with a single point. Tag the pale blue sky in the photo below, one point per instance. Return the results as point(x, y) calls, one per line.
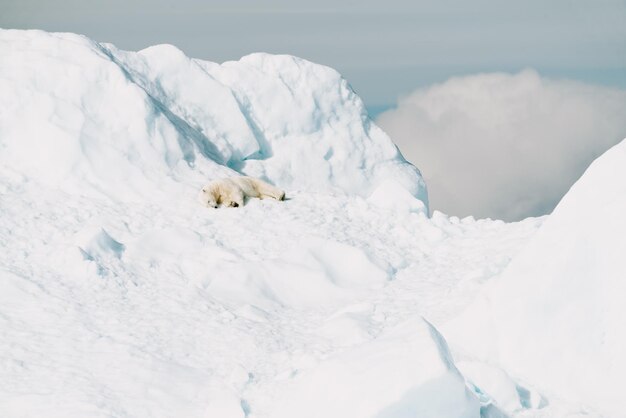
point(385, 49)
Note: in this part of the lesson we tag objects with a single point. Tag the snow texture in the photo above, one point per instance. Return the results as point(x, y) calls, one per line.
point(122, 296)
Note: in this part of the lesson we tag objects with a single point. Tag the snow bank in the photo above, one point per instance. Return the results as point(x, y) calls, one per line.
point(89, 118)
point(556, 316)
point(405, 372)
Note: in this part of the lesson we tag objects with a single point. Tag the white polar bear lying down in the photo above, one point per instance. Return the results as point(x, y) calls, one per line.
point(231, 191)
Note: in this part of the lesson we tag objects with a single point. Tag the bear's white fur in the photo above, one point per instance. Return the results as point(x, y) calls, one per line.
point(232, 191)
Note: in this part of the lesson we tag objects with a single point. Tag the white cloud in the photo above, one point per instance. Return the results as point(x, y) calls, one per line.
point(505, 146)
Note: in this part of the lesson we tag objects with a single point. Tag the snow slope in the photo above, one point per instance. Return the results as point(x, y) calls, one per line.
point(121, 296)
point(556, 316)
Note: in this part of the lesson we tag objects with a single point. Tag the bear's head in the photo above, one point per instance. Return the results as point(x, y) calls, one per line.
point(208, 198)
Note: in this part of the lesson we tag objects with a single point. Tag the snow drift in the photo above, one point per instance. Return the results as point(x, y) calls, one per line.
point(556, 316)
point(87, 117)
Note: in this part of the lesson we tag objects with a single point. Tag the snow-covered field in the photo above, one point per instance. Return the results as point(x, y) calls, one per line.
point(121, 296)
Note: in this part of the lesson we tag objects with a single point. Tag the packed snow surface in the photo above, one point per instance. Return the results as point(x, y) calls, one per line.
point(123, 297)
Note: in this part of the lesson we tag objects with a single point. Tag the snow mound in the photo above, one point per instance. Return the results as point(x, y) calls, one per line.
point(405, 372)
point(555, 317)
point(91, 119)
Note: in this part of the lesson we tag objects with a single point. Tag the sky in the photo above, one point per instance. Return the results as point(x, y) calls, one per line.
point(390, 51)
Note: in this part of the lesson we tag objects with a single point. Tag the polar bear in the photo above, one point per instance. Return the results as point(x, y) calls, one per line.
point(231, 191)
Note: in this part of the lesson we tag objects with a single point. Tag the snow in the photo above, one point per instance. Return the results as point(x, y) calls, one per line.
point(122, 296)
point(178, 309)
point(555, 317)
